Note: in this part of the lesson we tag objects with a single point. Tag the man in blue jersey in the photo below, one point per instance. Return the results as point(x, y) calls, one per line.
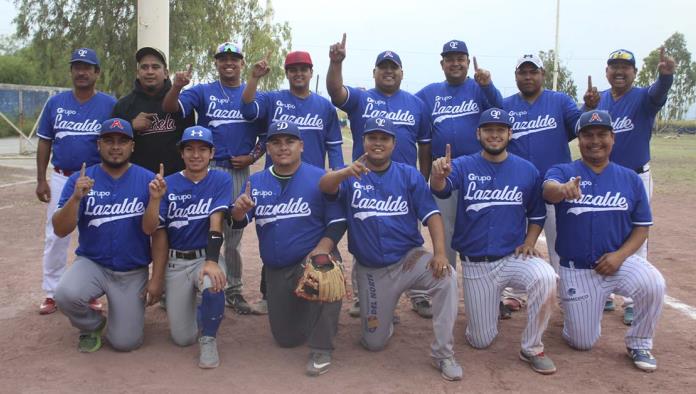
point(543, 122)
point(408, 113)
point(192, 212)
point(238, 142)
point(500, 215)
point(455, 106)
point(293, 221)
point(384, 200)
point(633, 110)
point(603, 217)
point(106, 201)
point(68, 128)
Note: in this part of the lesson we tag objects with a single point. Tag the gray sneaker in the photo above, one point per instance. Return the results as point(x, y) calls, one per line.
point(539, 363)
point(422, 308)
point(209, 354)
point(260, 307)
point(449, 368)
point(318, 363)
point(237, 303)
point(354, 310)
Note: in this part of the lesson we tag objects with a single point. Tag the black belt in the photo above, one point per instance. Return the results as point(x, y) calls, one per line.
point(187, 254)
point(63, 172)
point(482, 259)
point(643, 169)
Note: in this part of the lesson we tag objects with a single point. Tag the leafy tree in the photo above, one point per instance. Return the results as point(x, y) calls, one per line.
point(683, 92)
point(565, 77)
point(57, 27)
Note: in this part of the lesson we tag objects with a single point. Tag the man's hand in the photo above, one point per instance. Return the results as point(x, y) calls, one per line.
point(526, 251)
point(481, 76)
point(440, 266)
point(213, 271)
point(43, 191)
point(83, 184)
point(337, 52)
point(357, 168)
point(243, 204)
point(241, 162)
point(442, 167)
point(609, 263)
point(261, 68)
point(591, 96)
point(571, 189)
point(143, 121)
point(152, 292)
point(667, 66)
point(183, 78)
point(158, 186)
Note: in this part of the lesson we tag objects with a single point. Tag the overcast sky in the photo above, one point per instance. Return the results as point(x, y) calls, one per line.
point(497, 32)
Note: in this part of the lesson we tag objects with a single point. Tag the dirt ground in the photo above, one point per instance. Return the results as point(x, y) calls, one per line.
point(38, 353)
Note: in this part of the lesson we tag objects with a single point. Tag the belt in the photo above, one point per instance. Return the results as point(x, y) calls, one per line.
point(186, 254)
point(643, 169)
point(575, 264)
point(63, 172)
point(481, 259)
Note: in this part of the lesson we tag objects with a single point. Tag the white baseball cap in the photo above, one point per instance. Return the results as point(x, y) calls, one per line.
point(529, 58)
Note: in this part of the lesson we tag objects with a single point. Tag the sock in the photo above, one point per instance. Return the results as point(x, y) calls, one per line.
point(211, 310)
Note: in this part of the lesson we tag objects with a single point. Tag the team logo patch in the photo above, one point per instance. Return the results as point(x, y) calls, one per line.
point(495, 114)
point(388, 54)
point(82, 52)
point(380, 122)
point(571, 291)
point(595, 118)
point(116, 124)
point(282, 126)
point(453, 44)
point(196, 133)
point(372, 323)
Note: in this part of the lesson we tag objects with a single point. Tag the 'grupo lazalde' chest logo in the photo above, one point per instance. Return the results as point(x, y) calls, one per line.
point(180, 212)
point(272, 211)
point(221, 111)
point(598, 203)
point(481, 198)
point(64, 126)
point(526, 127)
point(304, 122)
point(369, 206)
point(442, 110)
point(104, 213)
point(400, 117)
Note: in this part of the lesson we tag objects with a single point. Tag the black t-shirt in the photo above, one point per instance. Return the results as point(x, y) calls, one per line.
point(158, 143)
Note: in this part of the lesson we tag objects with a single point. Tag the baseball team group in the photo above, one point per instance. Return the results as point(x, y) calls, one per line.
point(158, 185)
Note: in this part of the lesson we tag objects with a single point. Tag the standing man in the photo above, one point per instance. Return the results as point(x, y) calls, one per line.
point(603, 217)
point(69, 128)
point(314, 115)
point(633, 110)
point(238, 142)
point(386, 100)
point(383, 201)
point(293, 221)
point(455, 106)
point(499, 218)
point(107, 202)
point(543, 122)
point(156, 131)
point(192, 214)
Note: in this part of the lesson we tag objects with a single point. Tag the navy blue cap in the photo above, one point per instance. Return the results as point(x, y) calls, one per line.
point(388, 55)
point(454, 46)
point(85, 55)
point(495, 115)
point(379, 124)
point(594, 118)
point(117, 125)
point(197, 133)
point(283, 128)
point(622, 55)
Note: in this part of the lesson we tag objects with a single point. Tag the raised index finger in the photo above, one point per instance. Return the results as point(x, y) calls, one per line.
point(83, 169)
point(247, 189)
point(343, 41)
point(189, 68)
point(448, 153)
point(662, 54)
point(589, 82)
point(268, 54)
point(475, 64)
point(161, 171)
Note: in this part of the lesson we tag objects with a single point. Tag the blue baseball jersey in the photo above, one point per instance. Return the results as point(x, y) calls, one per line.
point(186, 208)
point(454, 112)
point(290, 221)
point(633, 117)
point(406, 111)
point(219, 109)
point(382, 210)
point(74, 128)
point(541, 130)
point(496, 201)
point(612, 204)
point(110, 218)
point(314, 115)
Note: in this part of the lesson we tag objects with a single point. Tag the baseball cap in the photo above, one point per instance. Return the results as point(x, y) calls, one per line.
point(298, 57)
point(622, 55)
point(144, 51)
point(495, 116)
point(229, 47)
point(379, 124)
point(283, 128)
point(388, 55)
point(196, 133)
point(530, 58)
point(594, 118)
point(117, 125)
point(85, 55)
point(454, 46)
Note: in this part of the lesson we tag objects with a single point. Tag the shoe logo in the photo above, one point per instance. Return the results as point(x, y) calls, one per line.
point(320, 365)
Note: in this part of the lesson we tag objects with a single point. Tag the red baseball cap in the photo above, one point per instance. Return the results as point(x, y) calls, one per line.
point(298, 57)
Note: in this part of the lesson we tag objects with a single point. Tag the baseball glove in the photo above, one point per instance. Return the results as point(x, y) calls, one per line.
point(323, 280)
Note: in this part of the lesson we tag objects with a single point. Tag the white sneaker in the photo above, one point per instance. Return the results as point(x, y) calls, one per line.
point(260, 307)
point(449, 368)
point(209, 354)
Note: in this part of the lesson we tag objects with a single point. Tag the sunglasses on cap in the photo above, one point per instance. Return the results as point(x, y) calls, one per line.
point(228, 47)
point(621, 55)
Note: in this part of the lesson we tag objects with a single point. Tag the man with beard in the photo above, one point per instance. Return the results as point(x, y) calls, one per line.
point(238, 142)
point(107, 202)
point(69, 127)
point(156, 131)
point(500, 215)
